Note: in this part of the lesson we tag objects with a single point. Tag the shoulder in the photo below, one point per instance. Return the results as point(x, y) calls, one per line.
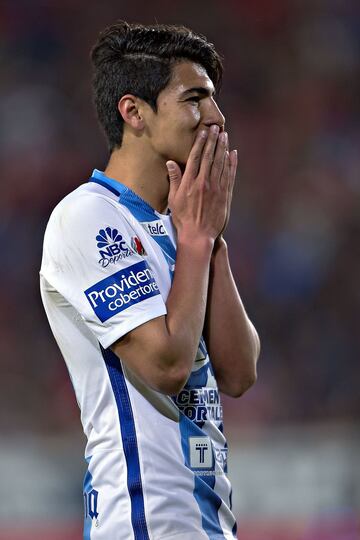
point(89, 224)
point(82, 204)
point(87, 208)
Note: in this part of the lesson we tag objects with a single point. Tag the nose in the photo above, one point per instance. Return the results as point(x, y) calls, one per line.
point(214, 116)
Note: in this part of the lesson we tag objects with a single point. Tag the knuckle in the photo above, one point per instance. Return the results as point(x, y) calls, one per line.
point(196, 158)
point(204, 183)
point(217, 165)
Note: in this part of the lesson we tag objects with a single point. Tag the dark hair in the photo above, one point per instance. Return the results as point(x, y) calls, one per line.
point(138, 59)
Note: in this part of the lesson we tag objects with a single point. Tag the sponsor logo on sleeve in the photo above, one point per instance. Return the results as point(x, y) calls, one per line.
point(112, 247)
point(121, 290)
point(154, 228)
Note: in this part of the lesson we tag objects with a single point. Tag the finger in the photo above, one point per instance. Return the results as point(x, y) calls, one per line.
point(233, 168)
point(225, 175)
point(219, 158)
point(233, 157)
point(174, 173)
point(209, 150)
point(194, 159)
point(232, 176)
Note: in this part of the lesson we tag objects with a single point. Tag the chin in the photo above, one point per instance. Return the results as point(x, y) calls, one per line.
point(181, 159)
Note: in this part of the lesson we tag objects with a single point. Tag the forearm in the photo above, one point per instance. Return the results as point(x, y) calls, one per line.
point(232, 340)
point(162, 351)
point(187, 300)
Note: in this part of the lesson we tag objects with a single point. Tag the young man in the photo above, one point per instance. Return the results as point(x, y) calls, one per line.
point(137, 286)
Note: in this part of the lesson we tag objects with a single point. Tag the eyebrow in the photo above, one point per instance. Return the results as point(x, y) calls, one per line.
point(206, 92)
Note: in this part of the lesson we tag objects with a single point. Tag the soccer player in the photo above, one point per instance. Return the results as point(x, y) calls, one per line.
point(138, 290)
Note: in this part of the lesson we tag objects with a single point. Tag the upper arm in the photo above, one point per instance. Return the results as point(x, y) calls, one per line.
point(147, 351)
point(88, 258)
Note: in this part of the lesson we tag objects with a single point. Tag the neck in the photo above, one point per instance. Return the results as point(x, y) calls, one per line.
point(141, 171)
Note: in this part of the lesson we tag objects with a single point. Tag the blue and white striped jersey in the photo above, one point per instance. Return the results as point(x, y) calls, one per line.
point(156, 464)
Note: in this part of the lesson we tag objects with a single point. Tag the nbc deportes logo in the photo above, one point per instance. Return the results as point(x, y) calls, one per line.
point(112, 246)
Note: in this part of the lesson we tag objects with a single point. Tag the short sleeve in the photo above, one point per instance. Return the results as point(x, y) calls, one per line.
point(93, 257)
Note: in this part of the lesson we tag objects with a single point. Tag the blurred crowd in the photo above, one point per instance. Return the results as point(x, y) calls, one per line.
point(290, 96)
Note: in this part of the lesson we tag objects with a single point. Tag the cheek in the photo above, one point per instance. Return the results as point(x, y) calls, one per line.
point(188, 119)
point(194, 117)
point(176, 134)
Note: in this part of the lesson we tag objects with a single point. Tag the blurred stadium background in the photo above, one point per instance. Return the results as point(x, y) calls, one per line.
point(291, 98)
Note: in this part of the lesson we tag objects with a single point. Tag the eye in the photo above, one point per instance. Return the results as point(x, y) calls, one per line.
point(194, 99)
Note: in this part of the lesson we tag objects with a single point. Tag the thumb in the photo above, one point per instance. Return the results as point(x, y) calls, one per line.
point(174, 173)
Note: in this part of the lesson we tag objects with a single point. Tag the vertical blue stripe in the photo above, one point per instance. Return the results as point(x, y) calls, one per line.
point(129, 440)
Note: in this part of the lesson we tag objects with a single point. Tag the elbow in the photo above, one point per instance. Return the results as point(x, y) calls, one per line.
point(171, 373)
point(171, 381)
point(236, 386)
point(248, 377)
point(236, 389)
point(163, 368)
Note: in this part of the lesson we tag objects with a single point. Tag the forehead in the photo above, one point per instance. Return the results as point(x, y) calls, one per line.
point(187, 75)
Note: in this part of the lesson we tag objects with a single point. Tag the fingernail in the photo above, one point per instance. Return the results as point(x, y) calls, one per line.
point(170, 165)
point(214, 128)
point(224, 136)
point(203, 133)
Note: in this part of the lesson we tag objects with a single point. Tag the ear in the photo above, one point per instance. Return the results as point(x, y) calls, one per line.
point(129, 107)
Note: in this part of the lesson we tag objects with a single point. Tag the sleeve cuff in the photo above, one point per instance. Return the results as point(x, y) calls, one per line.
point(120, 330)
